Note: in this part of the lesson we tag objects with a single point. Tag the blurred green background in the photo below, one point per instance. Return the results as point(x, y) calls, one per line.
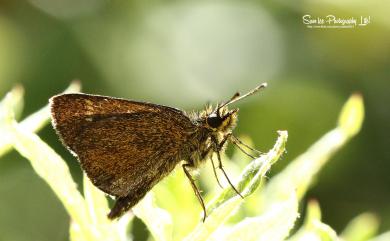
point(186, 53)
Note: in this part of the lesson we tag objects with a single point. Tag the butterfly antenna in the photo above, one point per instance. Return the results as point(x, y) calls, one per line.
point(236, 97)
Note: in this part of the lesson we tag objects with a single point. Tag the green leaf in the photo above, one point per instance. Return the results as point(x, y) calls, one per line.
point(224, 205)
point(382, 237)
point(253, 174)
point(361, 228)
point(53, 169)
point(274, 225)
point(8, 106)
point(352, 115)
point(12, 103)
point(96, 202)
point(32, 123)
point(298, 175)
point(314, 229)
point(98, 209)
point(75, 232)
point(204, 230)
point(174, 194)
point(158, 221)
point(40, 118)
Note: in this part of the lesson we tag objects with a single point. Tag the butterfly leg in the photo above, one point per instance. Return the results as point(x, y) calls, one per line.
point(235, 139)
point(241, 149)
point(218, 147)
point(203, 156)
point(196, 190)
point(215, 172)
point(237, 143)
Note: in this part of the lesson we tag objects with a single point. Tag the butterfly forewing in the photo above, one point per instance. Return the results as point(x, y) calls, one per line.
point(123, 146)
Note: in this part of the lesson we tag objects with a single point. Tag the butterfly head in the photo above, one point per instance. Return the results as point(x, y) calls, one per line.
point(221, 119)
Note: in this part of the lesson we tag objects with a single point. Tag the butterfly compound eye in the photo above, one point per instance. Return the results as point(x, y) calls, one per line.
point(214, 121)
